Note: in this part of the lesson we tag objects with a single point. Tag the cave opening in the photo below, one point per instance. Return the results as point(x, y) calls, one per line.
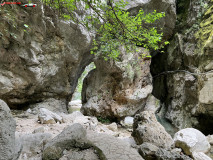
point(76, 100)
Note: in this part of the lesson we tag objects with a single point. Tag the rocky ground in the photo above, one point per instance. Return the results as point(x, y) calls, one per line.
point(28, 123)
point(167, 96)
point(28, 126)
point(42, 134)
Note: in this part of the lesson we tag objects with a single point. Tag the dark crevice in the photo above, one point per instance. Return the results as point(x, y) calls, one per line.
point(205, 124)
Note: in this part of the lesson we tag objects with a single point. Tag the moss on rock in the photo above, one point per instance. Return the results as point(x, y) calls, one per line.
point(205, 34)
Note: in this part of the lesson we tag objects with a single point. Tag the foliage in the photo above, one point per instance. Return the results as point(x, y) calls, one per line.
point(114, 25)
point(205, 33)
point(103, 120)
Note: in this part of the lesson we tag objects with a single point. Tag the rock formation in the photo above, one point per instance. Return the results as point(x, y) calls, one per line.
point(7, 132)
point(41, 57)
point(151, 152)
point(118, 89)
point(191, 140)
point(146, 128)
point(184, 82)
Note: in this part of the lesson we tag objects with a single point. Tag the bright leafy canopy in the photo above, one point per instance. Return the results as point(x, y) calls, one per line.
point(112, 23)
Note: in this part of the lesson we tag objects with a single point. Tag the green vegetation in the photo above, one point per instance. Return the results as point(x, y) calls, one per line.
point(205, 33)
point(11, 26)
point(113, 24)
point(103, 120)
point(77, 94)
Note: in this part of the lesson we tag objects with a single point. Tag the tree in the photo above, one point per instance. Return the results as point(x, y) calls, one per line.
point(113, 25)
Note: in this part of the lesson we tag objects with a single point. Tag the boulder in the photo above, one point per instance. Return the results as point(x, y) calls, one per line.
point(33, 145)
point(7, 132)
point(151, 152)
point(116, 89)
point(191, 140)
point(148, 151)
point(146, 128)
point(47, 117)
point(111, 148)
point(166, 154)
point(73, 136)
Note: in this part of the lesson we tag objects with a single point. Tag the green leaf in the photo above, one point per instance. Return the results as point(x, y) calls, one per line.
point(26, 26)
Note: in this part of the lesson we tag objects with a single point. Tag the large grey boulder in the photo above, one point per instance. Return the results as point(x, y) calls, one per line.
point(146, 128)
point(111, 148)
point(73, 136)
point(7, 132)
point(191, 140)
point(116, 89)
point(148, 151)
point(151, 152)
point(33, 145)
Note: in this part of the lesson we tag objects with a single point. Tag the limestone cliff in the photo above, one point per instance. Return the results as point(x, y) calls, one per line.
point(183, 75)
point(41, 57)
